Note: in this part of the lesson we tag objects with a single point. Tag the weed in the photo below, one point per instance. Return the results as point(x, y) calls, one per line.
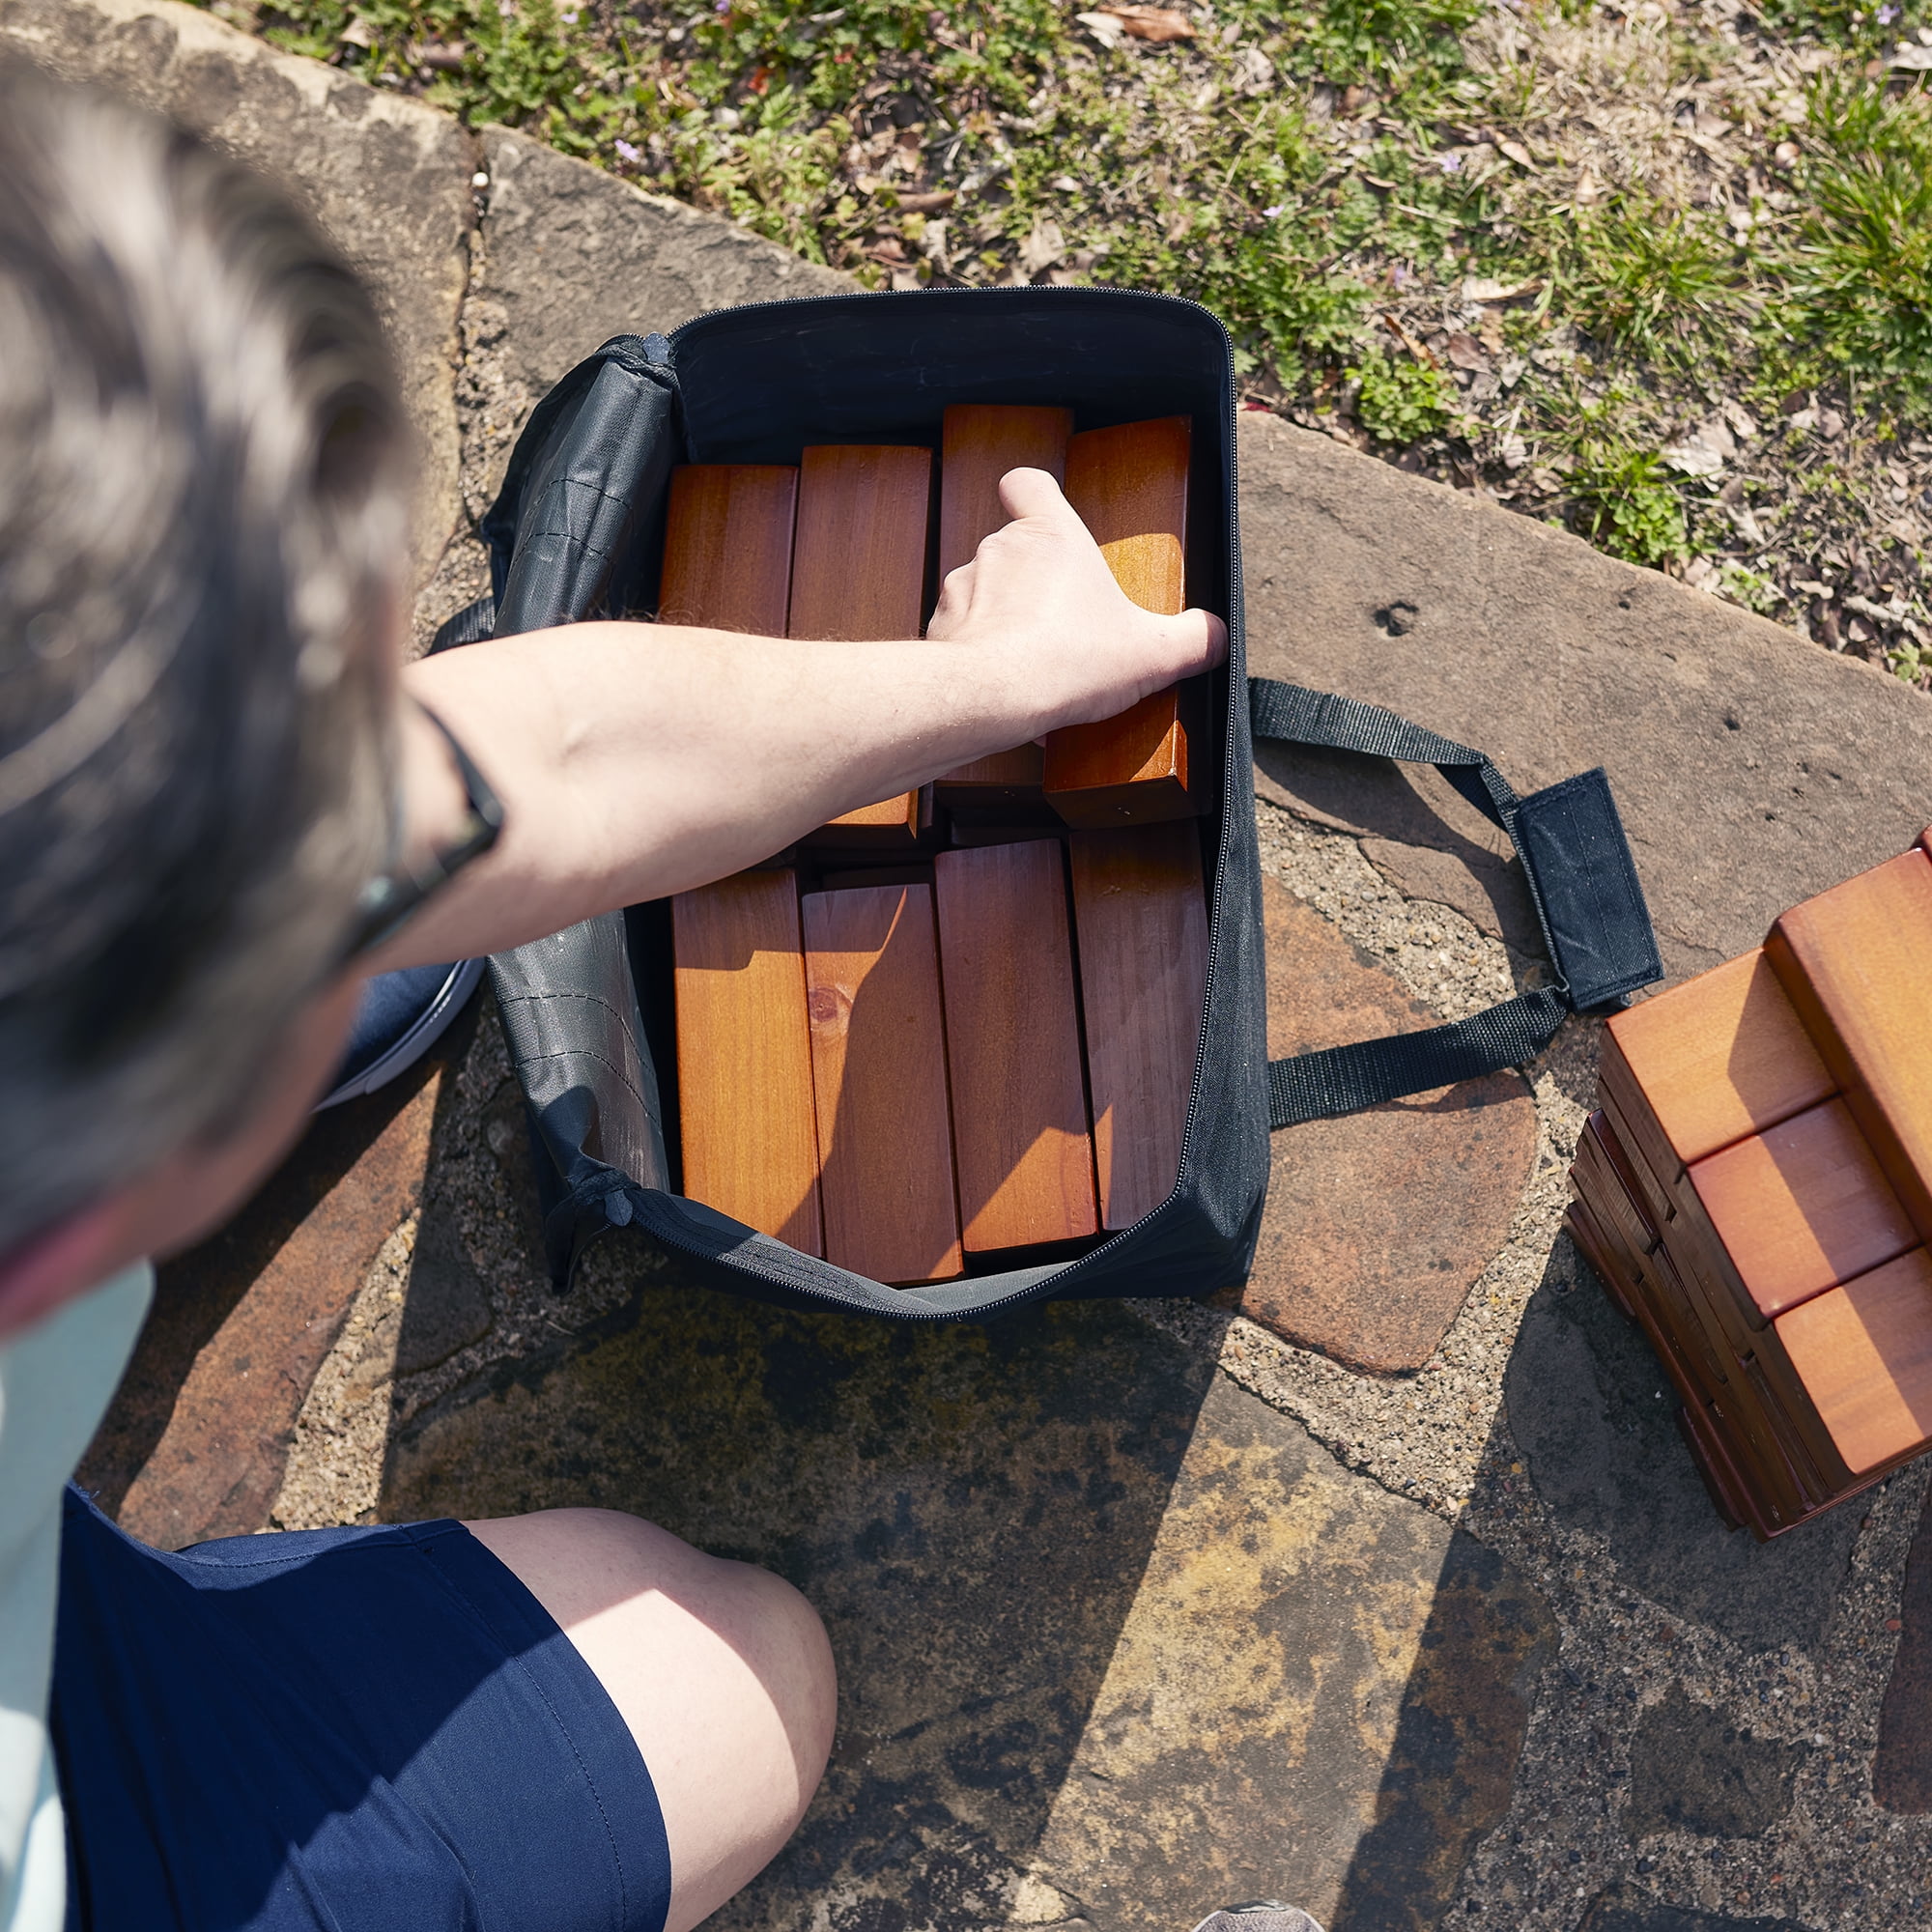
point(1750, 588)
point(1861, 297)
point(1658, 285)
point(1401, 401)
point(1628, 503)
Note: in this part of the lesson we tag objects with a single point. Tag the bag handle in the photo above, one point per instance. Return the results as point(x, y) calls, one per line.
point(1583, 881)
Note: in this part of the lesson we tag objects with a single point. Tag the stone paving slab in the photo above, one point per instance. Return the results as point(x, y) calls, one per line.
point(198, 1444)
point(387, 178)
point(1377, 1224)
point(1115, 1637)
point(1753, 768)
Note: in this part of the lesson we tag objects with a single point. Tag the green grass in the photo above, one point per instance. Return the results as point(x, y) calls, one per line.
point(1309, 171)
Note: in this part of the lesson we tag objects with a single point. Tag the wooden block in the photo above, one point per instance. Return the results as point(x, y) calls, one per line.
point(1653, 1294)
point(744, 1057)
point(1719, 1474)
point(894, 825)
point(1857, 962)
point(1005, 782)
point(972, 832)
point(1795, 1210)
point(1013, 1045)
point(727, 547)
point(874, 876)
point(982, 442)
point(878, 1064)
point(1130, 485)
point(1865, 1354)
point(1715, 1060)
point(1140, 918)
point(1660, 1209)
point(857, 573)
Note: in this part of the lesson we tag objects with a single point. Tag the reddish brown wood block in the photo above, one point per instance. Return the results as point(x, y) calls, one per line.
point(1865, 1354)
point(878, 1064)
point(982, 442)
point(1857, 962)
point(1012, 1046)
point(1130, 485)
point(1140, 916)
point(1005, 783)
point(744, 1058)
point(1647, 1287)
point(727, 547)
point(979, 444)
point(857, 573)
point(1797, 1210)
point(1713, 1061)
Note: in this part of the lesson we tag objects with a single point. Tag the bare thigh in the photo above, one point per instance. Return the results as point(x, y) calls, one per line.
point(722, 1672)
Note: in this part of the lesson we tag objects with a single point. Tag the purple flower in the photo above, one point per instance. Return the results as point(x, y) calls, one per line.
point(626, 152)
point(1275, 208)
point(1398, 274)
point(1886, 15)
point(1450, 164)
point(720, 6)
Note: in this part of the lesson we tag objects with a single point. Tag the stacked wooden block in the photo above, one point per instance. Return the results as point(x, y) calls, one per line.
point(1756, 1191)
point(956, 1030)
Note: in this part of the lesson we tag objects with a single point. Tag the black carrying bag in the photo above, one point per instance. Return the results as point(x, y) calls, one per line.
point(577, 532)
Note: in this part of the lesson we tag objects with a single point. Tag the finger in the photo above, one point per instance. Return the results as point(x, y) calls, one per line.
point(1033, 493)
point(1203, 637)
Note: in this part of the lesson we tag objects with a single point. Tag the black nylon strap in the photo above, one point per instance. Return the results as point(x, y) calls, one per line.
point(1344, 1079)
point(1298, 715)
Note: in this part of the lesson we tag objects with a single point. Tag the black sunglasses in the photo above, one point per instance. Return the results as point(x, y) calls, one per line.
point(391, 900)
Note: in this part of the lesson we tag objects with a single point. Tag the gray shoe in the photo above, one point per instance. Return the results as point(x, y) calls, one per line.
point(1261, 1915)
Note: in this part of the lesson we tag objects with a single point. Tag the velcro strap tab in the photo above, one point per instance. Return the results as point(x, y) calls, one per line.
point(1599, 928)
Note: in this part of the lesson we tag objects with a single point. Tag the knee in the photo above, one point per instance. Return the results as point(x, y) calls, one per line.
point(739, 1636)
point(787, 1645)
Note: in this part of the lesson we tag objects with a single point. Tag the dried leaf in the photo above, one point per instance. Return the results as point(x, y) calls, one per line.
point(1694, 457)
point(1741, 423)
point(1153, 23)
point(927, 204)
point(1043, 247)
point(1465, 351)
point(1910, 58)
point(1483, 289)
point(1518, 152)
point(1104, 27)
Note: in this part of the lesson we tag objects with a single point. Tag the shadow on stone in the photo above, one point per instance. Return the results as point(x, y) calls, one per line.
point(1118, 1641)
point(1902, 1771)
point(972, 1510)
point(1595, 1420)
point(1690, 1770)
point(1622, 1908)
point(1421, 834)
point(1458, 1739)
point(355, 1173)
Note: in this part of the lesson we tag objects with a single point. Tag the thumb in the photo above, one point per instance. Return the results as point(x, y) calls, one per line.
point(1199, 639)
point(1033, 493)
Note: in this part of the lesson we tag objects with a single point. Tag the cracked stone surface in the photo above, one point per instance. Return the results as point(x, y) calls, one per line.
point(1142, 1607)
point(387, 178)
